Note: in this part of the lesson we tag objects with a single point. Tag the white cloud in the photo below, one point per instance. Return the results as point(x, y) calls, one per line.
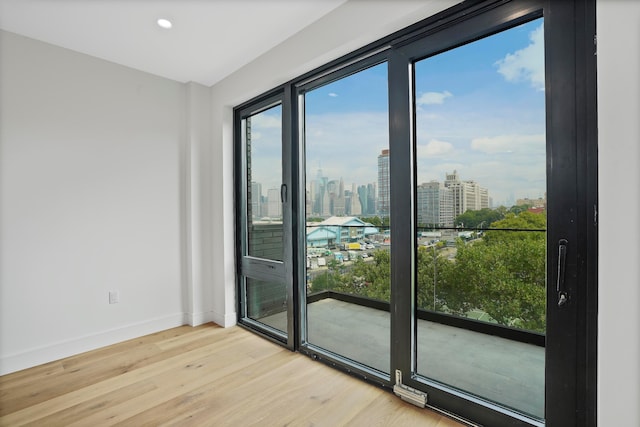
point(509, 144)
point(428, 171)
point(526, 64)
point(333, 94)
point(266, 120)
point(434, 148)
point(430, 116)
point(430, 98)
point(346, 145)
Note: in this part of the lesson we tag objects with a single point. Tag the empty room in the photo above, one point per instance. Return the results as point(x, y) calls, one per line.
point(319, 212)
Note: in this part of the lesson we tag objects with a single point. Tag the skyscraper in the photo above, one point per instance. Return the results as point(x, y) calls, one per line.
point(355, 208)
point(383, 184)
point(256, 200)
point(274, 205)
point(364, 199)
point(371, 198)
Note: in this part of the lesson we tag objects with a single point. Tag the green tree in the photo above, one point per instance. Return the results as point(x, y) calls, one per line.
point(503, 274)
point(483, 217)
point(433, 269)
point(330, 279)
point(524, 221)
point(372, 278)
point(517, 209)
point(507, 281)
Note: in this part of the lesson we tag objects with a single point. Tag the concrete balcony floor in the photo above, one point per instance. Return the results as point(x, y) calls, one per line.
point(503, 371)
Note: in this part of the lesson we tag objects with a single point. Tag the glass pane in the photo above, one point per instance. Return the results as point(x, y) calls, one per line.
point(263, 139)
point(267, 303)
point(347, 213)
point(481, 167)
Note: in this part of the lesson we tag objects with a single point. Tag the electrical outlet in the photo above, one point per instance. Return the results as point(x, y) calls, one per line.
point(114, 297)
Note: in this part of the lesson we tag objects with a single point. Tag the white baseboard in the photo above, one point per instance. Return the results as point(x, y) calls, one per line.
point(197, 319)
point(225, 320)
point(49, 353)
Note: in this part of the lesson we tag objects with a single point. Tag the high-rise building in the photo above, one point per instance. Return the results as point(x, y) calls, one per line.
point(467, 195)
point(311, 200)
point(371, 198)
point(325, 204)
point(355, 208)
point(383, 184)
point(364, 200)
point(335, 190)
point(434, 205)
point(256, 200)
point(319, 199)
point(274, 204)
point(308, 208)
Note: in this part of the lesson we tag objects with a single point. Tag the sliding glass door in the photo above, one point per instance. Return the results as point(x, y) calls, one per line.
point(484, 147)
point(347, 215)
point(481, 215)
point(417, 214)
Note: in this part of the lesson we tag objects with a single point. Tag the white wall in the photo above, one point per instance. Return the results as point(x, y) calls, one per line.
point(197, 250)
point(90, 202)
point(619, 180)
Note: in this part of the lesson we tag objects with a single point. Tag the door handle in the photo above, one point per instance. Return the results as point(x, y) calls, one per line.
point(283, 193)
point(563, 295)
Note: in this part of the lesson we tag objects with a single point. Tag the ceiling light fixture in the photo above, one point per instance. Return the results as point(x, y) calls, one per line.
point(164, 23)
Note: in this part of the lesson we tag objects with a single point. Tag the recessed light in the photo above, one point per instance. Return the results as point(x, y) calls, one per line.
point(164, 23)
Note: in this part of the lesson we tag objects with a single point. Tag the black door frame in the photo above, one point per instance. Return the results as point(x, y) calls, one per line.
point(248, 267)
point(571, 116)
point(572, 196)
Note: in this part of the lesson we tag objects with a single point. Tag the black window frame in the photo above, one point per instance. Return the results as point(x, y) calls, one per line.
point(578, 37)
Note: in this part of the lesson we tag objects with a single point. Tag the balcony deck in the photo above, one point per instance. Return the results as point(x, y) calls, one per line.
point(494, 368)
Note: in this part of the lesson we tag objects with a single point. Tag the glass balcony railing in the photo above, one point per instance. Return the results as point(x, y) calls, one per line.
point(480, 307)
point(489, 276)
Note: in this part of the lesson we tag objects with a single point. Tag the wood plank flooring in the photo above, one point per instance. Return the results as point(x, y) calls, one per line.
point(203, 376)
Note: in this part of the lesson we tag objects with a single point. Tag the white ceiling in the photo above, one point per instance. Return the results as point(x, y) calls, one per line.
point(210, 39)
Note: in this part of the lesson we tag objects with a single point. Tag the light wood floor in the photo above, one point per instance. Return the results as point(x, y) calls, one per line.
point(204, 376)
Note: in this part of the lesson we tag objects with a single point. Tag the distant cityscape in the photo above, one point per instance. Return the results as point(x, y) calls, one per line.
point(437, 203)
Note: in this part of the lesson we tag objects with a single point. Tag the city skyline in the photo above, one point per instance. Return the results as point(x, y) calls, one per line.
point(437, 202)
point(465, 112)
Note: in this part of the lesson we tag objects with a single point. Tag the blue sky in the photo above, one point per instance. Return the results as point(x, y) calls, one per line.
point(479, 110)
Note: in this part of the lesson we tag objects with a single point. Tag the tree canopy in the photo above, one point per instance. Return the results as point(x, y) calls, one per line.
point(481, 218)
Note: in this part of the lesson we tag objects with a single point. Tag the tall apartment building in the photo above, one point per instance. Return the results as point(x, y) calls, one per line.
point(383, 184)
point(355, 208)
point(319, 199)
point(308, 208)
point(467, 195)
point(256, 200)
point(371, 198)
point(274, 204)
point(337, 198)
point(363, 198)
point(434, 205)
